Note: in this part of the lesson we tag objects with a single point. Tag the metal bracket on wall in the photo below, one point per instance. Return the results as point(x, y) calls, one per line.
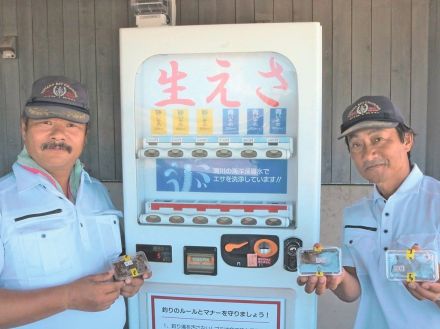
point(8, 47)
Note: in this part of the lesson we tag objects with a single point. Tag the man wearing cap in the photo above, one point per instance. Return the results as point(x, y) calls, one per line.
point(402, 213)
point(59, 230)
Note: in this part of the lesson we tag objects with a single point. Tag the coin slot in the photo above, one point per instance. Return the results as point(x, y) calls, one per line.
point(265, 248)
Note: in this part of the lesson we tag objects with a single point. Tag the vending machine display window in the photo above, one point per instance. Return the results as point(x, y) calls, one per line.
point(216, 123)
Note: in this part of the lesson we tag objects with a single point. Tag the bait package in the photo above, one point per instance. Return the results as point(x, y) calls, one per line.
point(412, 265)
point(131, 266)
point(319, 261)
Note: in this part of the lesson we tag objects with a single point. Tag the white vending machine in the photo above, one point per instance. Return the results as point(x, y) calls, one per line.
point(221, 132)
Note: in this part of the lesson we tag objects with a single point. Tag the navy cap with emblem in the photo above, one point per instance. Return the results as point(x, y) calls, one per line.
point(58, 97)
point(370, 112)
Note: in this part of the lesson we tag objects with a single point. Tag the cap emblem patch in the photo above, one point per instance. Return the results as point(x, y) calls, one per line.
point(59, 90)
point(363, 108)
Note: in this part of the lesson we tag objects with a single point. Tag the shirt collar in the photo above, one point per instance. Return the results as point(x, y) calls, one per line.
point(411, 184)
point(27, 179)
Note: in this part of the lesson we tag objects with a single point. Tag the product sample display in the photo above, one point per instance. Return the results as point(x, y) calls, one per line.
point(412, 265)
point(319, 261)
point(131, 266)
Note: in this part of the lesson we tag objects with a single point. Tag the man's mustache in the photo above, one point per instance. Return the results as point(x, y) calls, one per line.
point(56, 145)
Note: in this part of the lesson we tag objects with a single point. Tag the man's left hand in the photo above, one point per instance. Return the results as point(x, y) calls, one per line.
point(425, 290)
point(132, 285)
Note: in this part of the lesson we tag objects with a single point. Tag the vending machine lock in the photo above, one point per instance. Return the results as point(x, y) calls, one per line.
point(291, 246)
point(247, 250)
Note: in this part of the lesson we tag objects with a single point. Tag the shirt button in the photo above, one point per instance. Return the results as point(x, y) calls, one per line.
point(43, 235)
point(81, 224)
point(350, 242)
point(387, 214)
point(60, 197)
point(386, 248)
point(385, 231)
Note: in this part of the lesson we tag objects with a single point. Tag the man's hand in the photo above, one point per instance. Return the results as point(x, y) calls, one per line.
point(93, 293)
point(320, 284)
point(132, 285)
point(424, 290)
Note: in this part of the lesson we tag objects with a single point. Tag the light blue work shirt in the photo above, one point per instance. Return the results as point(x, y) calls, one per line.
point(46, 240)
point(371, 226)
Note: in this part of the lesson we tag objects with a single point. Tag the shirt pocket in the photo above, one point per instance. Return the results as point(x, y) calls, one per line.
point(109, 235)
point(424, 240)
point(45, 244)
point(361, 242)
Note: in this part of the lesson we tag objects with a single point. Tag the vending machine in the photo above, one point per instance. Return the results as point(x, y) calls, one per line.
point(221, 133)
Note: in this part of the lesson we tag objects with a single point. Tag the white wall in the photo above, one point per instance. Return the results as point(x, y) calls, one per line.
point(332, 313)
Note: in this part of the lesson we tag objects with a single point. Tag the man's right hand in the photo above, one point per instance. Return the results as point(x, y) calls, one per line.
point(93, 293)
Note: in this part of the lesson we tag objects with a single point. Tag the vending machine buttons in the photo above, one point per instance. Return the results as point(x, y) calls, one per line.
point(274, 154)
point(237, 147)
point(248, 221)
point(200, 220)
point(200, 260)
point(151, 153)
point(273, 222)
point(248, 153)
point(175, 153)
point(175, 219)
point(152, 219)
point(199, 153)
point(215, 213)
point(242, 250)
point(156, 253)
point(223, 153)
point(224, 221)
point(291, 246)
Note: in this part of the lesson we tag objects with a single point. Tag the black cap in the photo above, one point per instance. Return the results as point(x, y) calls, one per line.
point(370, 112)
point(58, 97)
